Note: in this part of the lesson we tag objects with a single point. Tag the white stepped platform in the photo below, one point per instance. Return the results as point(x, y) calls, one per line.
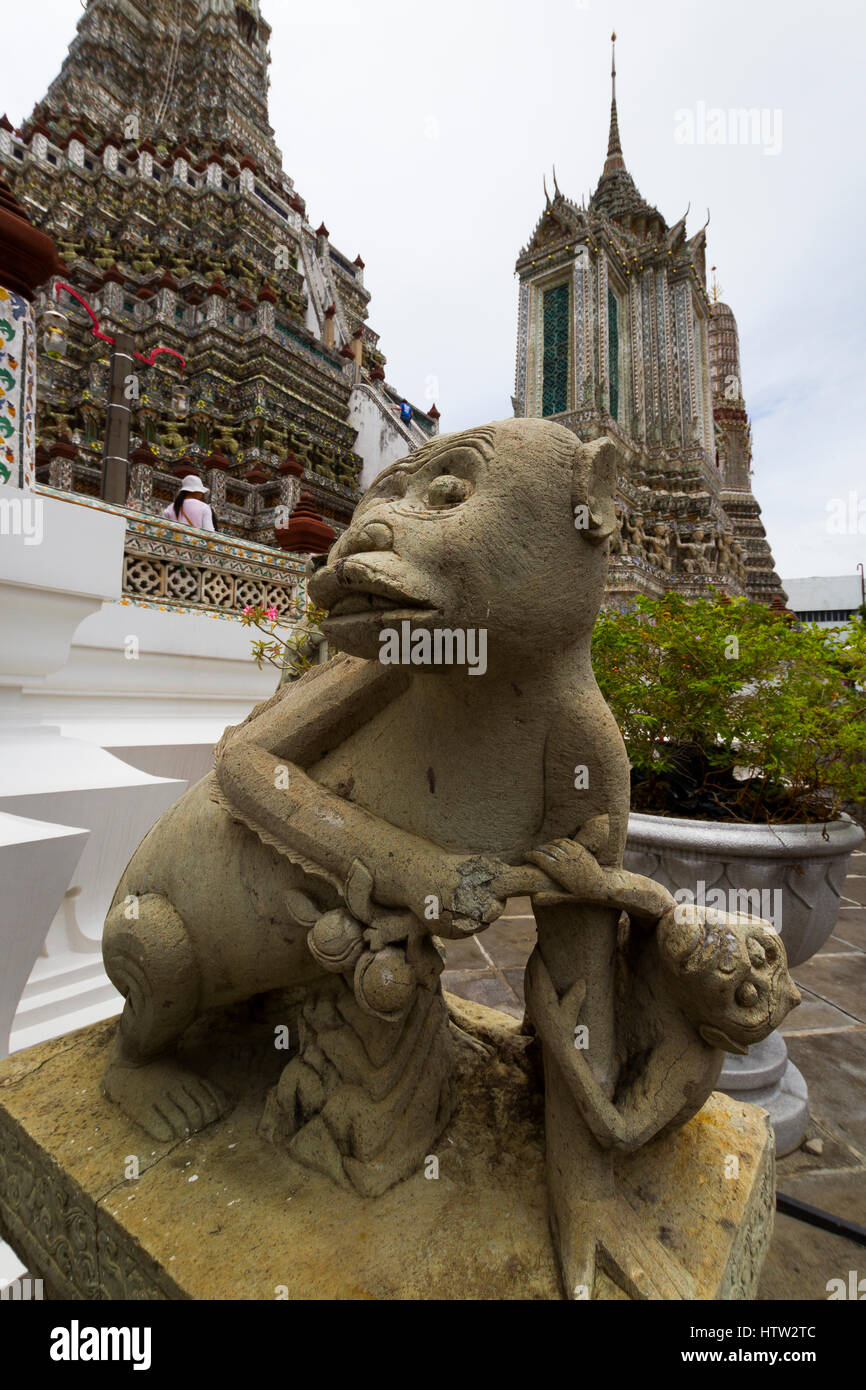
point(108, 711)
point(47, 776)
point(11, 1268)
point(163, 711)
point(37, 860)
point(191, 674)
point(64, 992)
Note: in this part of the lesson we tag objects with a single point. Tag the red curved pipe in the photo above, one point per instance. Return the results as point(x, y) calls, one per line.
point(97, 332)
point(156, 352)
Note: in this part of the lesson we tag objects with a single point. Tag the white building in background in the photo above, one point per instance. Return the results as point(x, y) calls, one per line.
point(828, 600)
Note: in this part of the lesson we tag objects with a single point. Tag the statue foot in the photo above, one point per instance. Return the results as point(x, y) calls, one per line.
point(610, 1235)
point(162, 1096)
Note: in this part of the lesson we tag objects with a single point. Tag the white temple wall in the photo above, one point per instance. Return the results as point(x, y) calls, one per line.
point(382, 436)
point(155, 688)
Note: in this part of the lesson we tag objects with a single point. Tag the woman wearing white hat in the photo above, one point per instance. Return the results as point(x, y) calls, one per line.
point(189, 505)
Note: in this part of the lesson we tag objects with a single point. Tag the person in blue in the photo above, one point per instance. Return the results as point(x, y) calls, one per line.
point(405, 412)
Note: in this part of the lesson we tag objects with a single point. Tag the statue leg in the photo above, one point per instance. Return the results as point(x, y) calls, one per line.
point(592, 1223)
point(150, 960)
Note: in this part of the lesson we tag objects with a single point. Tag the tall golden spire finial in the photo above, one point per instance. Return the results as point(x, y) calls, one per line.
point(717, 289)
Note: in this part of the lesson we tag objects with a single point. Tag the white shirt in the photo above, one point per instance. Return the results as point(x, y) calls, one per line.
point(193, 512)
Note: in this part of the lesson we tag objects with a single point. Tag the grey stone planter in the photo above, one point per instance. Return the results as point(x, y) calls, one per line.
point(793, 876)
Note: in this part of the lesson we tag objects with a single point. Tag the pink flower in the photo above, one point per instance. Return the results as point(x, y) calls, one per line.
point(247, 610)
point(272, 614)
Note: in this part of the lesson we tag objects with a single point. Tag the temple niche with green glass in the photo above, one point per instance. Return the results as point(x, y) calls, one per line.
point(613, 352)
point(556, 311)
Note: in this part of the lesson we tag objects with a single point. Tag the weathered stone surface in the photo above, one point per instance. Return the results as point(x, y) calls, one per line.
point(224, 1215)
point(363, 809)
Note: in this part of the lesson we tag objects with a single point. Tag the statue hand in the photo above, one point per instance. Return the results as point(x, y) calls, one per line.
point(584, 880)
point(471, 892)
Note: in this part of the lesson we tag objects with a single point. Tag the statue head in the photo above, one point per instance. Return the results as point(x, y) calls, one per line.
point(502, 528)
point(728, 971)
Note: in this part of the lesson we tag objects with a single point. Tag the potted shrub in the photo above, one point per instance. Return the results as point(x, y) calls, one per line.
point(747, 738)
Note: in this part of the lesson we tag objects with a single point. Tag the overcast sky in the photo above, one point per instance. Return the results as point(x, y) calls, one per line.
point(420, 134)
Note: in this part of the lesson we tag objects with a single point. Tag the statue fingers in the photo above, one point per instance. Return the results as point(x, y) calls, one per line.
point(359, 892)
point(302, 908)
point(573, 868)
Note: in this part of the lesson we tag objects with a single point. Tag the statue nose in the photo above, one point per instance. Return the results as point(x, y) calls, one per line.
point(375, 535)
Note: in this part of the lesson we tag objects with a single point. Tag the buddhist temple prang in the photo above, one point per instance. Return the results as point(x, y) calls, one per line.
point(619, 335)
point(152, 164)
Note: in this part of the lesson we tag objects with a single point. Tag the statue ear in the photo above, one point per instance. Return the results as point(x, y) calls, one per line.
point(593, 488)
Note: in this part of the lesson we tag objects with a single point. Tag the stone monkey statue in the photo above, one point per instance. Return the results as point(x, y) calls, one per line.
point(367, 806)
point(740, 565)
point(616, 543)
point(634, 529)
point(708, 538)
point(690, 552)
point(659, 547)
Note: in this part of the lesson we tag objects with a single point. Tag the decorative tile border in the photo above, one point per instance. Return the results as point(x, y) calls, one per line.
point(17, 390)
point(174, 568)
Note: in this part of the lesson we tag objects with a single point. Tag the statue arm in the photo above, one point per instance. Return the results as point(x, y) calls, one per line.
point(262, 783)
point(578, 873)
point(721, 980)
point(627, 1128)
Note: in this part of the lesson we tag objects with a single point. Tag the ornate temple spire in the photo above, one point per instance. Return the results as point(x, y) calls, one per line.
point(614, 162)
point(179, 71)
point(616, 196)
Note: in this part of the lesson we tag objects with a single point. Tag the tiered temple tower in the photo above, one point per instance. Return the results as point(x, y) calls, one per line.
point(152, 163)
point(617, 334)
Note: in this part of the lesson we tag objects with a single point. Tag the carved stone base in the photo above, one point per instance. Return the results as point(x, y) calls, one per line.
point(222, 1215)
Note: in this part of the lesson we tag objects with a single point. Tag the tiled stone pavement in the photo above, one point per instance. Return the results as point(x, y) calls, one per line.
point(826, 1039)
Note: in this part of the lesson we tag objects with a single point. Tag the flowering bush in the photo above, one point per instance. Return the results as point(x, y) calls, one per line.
point(730, 711)
point(292, 653)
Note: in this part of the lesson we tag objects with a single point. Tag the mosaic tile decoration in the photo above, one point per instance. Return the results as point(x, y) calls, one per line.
point(17, 390)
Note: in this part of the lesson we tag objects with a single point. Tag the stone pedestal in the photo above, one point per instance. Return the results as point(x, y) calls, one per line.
point(767, 1077)
point(224, 1215)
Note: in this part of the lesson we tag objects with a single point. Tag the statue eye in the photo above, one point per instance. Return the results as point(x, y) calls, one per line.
point(448, 491)
point(392, 485)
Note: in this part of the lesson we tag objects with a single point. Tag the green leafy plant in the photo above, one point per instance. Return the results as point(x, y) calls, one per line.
point(730, 711)
point(289, 641)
